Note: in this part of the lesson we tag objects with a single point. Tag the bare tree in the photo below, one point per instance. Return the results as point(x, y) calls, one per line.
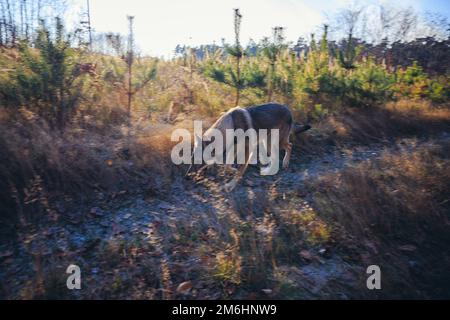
point(3, 34)
point(12, 25)
point(133, 87)
point(382, 23)
point(349, 20)
point(21, 30)
point(89, 24)
point(237, 52)
point(407, 23)
point(20, 18)
point(129, 60)
point(114, 40)
point(436, 25)
point(38, 14)
point(27, 20)
point(272, 51)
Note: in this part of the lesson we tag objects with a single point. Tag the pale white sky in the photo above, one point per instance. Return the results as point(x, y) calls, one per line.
point(162, 24)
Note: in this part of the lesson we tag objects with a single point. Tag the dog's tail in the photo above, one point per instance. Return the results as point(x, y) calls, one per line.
point(299, 128)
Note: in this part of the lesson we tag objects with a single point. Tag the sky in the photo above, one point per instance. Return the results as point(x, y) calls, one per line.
point(162, 24)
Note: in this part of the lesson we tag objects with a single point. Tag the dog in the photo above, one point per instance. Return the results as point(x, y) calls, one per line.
point(266, 116)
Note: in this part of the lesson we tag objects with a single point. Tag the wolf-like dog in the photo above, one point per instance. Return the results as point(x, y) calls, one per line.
point(267, 116)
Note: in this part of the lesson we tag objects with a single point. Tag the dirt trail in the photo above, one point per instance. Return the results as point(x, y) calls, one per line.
point(127, 218)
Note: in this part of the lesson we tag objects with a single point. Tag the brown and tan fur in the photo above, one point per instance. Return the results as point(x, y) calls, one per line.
point(267, 116)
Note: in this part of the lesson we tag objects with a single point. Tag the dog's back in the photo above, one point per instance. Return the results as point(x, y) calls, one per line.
point(270, 116)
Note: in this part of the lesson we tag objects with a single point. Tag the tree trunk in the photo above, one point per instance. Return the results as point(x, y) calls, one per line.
point(130, 94)
point(3, 25)
point(238, 85)
point(1, 33)
point(130, 58)
point(26, 20)
point(270, 84)
point(89, 24)
point(12, 27)
point(61, 109)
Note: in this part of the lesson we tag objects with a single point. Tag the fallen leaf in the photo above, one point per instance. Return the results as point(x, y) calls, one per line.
point(6, 254)
point(305, 254)
point(249, 183)
point(165, 205)
point(96, 212)
point(184, 287)
point(407, 247)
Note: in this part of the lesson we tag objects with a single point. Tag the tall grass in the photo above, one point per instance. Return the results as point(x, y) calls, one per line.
point(40, 163)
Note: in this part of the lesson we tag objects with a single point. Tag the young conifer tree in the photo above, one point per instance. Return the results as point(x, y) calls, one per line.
point(236, 52)
point(223, 72)
point(135, 85)
point(272, 50)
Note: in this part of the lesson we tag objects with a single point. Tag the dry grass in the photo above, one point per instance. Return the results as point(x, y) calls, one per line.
point(408, 187)
point(38, 163)
point(395, 212)
point(384, 124)
point(365, 213)
point(247, 247)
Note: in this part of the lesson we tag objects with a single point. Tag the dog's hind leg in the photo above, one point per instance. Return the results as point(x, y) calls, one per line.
point(286, 145)
point(287, 156)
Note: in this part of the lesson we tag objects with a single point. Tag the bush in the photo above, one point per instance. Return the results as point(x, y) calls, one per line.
point(47, 77)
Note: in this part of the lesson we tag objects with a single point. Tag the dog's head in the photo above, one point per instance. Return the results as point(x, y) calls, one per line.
point(200, 143)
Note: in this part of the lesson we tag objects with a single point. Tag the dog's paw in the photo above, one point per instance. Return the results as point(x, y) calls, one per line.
point(266, 171)
point(230, 170)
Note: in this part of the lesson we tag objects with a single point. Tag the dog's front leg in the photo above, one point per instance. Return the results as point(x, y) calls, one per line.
point(230, 168)
point(232, 184)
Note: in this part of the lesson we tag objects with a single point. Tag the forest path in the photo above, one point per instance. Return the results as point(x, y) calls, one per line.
point(128, 218)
